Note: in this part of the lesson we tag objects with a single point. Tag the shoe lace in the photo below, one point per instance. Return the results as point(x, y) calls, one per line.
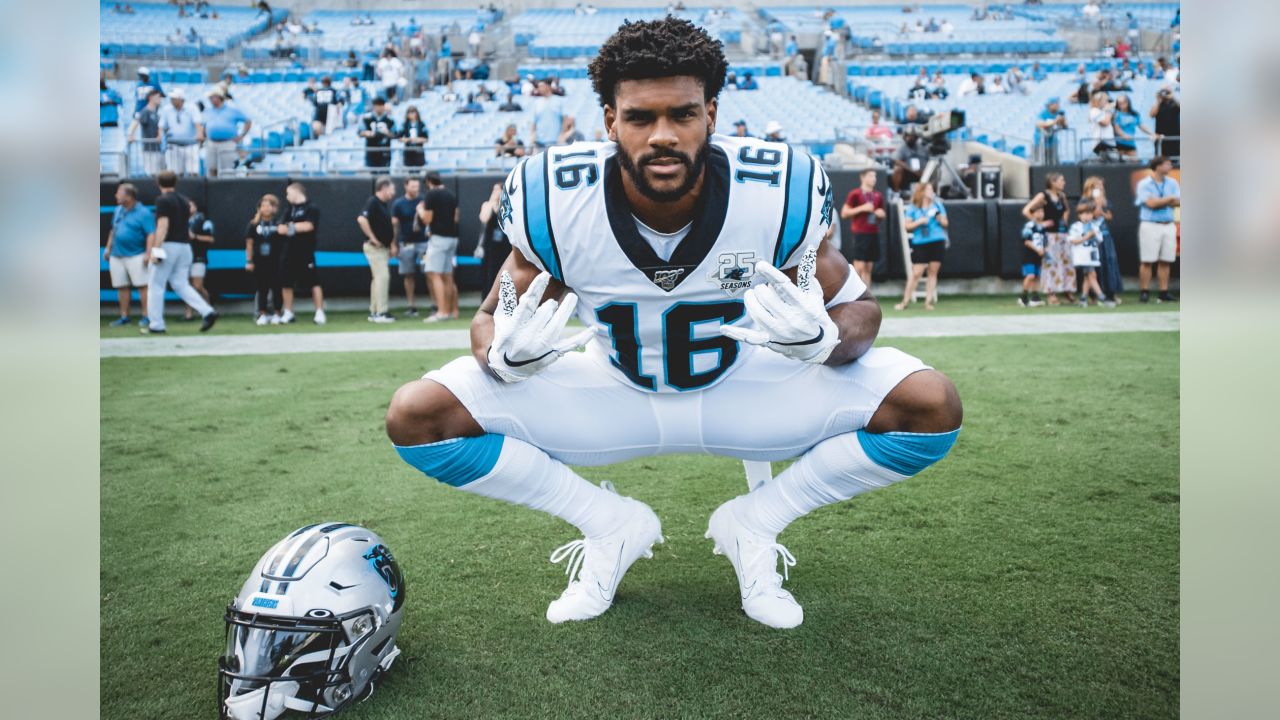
point(773, 552)
point(574, 552)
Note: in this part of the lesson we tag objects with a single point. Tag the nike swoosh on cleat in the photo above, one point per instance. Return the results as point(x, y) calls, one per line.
point(521, 363)
point(737, 553)
point(617, 567)
point(810, 341)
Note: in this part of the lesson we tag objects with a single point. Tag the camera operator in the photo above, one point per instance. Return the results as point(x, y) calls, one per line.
point(1167, 112)
point(909, 161)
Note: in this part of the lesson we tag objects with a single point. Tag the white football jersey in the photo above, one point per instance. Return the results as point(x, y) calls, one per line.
point(564, 209)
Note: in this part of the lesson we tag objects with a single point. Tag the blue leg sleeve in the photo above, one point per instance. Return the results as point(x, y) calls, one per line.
point(907, 453)
point(457, 461)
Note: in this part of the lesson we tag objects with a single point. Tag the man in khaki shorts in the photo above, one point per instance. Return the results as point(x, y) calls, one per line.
point(131, 228)
point(1156, 197)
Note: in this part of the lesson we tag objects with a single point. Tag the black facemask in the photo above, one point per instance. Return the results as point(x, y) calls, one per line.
point(693, 171)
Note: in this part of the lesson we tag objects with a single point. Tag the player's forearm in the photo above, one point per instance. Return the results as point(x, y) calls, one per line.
point(482, 337)
point(859, 323)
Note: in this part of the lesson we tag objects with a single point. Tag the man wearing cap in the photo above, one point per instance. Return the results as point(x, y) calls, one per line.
point(143, 89)
point(740, 129)
point(773, 132)
point(909, 161)
point(225, 125)
point(180, 128)
point(748, 82)
point(1048, 123)
point(147, 122)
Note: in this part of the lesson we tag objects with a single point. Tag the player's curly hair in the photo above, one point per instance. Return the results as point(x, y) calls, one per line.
point(669, 47)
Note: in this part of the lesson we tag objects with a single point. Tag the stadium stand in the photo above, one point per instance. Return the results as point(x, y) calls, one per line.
point(565, 34)
point(331, 34)
point(153, 31)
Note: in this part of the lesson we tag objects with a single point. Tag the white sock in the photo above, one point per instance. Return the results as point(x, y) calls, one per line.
point(833, 470)
point(527, 476)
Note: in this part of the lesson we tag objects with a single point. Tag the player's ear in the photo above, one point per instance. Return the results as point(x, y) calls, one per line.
point(712, 106)
point(610, 117)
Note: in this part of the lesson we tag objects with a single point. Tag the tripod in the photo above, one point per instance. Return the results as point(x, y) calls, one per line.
point(939, 165)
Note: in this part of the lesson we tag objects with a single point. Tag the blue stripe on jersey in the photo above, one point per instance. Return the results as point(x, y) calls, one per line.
point(799, 204)
point(537, 214)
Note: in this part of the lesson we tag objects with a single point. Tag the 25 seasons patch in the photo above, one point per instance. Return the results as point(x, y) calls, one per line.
point(734, 271)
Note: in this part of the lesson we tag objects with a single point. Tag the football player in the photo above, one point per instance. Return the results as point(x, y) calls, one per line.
point(717, 322)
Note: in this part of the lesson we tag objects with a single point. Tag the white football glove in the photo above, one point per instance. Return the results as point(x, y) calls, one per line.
point(526, 336)
point(790, 319)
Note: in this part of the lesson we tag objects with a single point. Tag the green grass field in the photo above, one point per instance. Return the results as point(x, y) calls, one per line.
point(346, 321)
point(1031, 574)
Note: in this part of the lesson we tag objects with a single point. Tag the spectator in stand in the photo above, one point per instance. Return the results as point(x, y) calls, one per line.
point(1102, 125)
point(264, 250)
point(494, 247)
point(1156, 197)
point(298, 226)
point(510, 105)
point(1167, 112)
point(411, 236)
point(353, 99)
point(1084, 237)
point(147, 121)
point(225, 126)
point(864, 208)
point(470, 106)
point(878, 132)
point(548, 116)
point(201, 230)
point(1091, 10)
point(132, 231)
point(926, 220)
point(920, 86)
point(1037, 73)
point(1033, 247)
point(414, 135)
point(1048, 123)
point(169, 255)
point(792, 48)
point(439, 212)
point(946, 28)
point(379, 231)
point(798, 67)
point(390, 71)
point(378, 128)
point(1127, 124)
point(570, 134)
point(1109, 271)
point(773, 132)
point(182, 131)
point(997, 87)
point(474, 38)
point(509, 145)
point(109, 104)
point(1057, 274)
point(740, 129)
point(938, 86)
point(915, 116)
point(909, 161)
point(748, 82)
point(142, 90)
point(972, 85)
point(324, 100)
point(1015, 83)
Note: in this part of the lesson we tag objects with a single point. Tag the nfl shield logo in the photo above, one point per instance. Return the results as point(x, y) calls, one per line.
point(667, 279)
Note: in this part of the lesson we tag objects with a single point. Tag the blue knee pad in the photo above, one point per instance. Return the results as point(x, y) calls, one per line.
point(457, 461)
point(906, 453)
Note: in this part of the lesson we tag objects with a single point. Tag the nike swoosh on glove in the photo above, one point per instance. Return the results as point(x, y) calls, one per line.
point(790, 319)
point(526, 335)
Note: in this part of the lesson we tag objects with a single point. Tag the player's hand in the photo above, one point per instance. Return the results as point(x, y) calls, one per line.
point(526, 335)
point(790, 318)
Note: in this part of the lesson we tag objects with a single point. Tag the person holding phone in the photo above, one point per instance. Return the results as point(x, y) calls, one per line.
point(927, 223)
point(864, 208)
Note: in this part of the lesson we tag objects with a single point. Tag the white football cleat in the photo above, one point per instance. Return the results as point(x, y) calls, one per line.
point(755, 562)
point(596, 566)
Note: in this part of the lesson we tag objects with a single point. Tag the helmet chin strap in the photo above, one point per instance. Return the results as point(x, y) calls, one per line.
point(284, 694)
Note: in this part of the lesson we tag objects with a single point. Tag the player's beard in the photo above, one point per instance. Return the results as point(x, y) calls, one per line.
point(693, 170)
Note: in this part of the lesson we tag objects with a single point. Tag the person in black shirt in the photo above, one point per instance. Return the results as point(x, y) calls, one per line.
point(263, 250)
point(494, 246)
point(169, 255)
point(323, 99)
point(147, 120)
point(439, 212)
point(412, 238)
point(510, 105)
point(298, 226)
point(509, 145)
point(414, 134)
point(375, 222)
point(200, 228)
point(1167, 112)
point(377, 128)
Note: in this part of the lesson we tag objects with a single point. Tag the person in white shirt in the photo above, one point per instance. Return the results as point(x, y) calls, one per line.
point(1091, 9)
point(997, 87)
point(390, 70)
point(183, 131)
point(1103, 132)
point(971, 85)
point(947, 28)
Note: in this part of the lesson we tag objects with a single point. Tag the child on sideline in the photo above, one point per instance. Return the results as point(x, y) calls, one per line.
point(1084, 238)
point(1032, 252)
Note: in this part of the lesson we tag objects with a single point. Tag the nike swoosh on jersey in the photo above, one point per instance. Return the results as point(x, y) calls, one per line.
point(617, 566)
point(521, 363)
point(810, 341)
point(511, 185)
point(823, 189)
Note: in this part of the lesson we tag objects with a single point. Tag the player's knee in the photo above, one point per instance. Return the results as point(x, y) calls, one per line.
point(924, 402)
point(423, 412)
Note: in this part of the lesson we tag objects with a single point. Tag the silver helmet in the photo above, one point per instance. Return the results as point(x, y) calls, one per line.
point(314, 626)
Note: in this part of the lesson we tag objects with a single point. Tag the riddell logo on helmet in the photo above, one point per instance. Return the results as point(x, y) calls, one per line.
point(265, 602)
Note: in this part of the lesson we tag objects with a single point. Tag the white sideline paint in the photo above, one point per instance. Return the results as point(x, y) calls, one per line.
point(893, 327)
